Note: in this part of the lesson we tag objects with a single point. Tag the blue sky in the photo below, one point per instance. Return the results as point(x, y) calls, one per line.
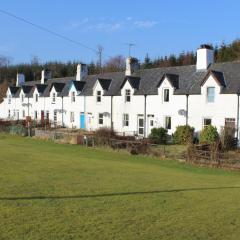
point(156, 27)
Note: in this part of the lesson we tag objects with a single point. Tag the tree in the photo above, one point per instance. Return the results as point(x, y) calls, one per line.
point(115, 64)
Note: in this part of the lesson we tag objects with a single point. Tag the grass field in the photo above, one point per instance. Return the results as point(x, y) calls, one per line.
point(53, 191)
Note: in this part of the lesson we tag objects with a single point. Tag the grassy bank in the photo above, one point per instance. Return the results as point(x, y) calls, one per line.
point(53, 191)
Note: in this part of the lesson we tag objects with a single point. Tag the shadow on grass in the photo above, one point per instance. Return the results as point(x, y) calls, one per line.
point(113, 194)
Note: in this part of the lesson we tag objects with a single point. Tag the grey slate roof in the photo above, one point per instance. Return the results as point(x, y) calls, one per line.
point(14, 90)
point(105, 83)
point(41, 88)
point(185, 79)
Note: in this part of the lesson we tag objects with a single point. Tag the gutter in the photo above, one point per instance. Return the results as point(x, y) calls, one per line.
point(111, 112)
point(145, 115)
point(187, 96)
point(238, 115)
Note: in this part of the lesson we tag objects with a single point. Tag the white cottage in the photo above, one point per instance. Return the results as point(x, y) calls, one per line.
point(135, 101)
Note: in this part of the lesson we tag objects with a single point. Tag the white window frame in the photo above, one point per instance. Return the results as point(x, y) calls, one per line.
point(125, 120)
point(100, 118)
point(35, 115)
point(127, 95)
point(207, 99)
point(204, 119)
point(9, 99)
point(36, 97)
point(72, 117)
point(73, 96)
point(54, 98)
point(164, 90)
point(165, 122)
point(22, 97)
point(55, 117)
point(99, 96)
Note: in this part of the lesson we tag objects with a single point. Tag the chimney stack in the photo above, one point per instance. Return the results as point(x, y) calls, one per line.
point(46, 74)
point(205, 57)
point(20, 79)
point(82, 71)
point(132, 65)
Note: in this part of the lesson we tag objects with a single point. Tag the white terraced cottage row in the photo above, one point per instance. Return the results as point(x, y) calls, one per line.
point(133, 102)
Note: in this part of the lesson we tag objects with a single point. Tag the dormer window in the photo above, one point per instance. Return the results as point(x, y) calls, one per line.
point(166, 95)
point(36, 97)
point(210, 94)
point(53, 97)
point(73, 96)
point(22, 97)
point(9, 99)
point(99, 96)
point(127, 95)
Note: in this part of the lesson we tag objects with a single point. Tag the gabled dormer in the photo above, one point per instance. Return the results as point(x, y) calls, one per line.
point(212, 85)
point(75, 89)
point(167, 86)
point(56, 90)
point(129, 86)
point(101, 87)
point(38, 91)
point(11, 92)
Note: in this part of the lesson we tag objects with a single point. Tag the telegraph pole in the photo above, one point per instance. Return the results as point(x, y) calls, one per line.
point(100, 51)
point(130, 45)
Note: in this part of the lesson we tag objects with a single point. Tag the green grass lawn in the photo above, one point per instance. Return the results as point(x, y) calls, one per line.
point(53, 191)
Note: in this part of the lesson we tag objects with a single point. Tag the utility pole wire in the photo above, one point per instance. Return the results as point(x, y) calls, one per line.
point(49, 31)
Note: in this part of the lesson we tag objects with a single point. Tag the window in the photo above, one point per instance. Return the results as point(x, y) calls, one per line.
point(151, 123)
point(17, 114)
point(35, 114)
point(53, 97)
point(230, 123)
point(55, 117)
point(100, 118)
point(206, 122)
point(23, 113)
point(73, 96)
point(125, 120)
point(210, 94)
point(9, 99)
point(166, 95)
point(47, 115)
point(9, 113)
point(99, 96)
point(127, 95)
point(168, 122)
point(36, 97)
point(22, 97)
point(71, 117)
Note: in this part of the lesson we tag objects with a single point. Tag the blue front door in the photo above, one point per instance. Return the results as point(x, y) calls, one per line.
point(82, 121)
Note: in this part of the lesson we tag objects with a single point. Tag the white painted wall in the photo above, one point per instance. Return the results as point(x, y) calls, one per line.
point(224, 106)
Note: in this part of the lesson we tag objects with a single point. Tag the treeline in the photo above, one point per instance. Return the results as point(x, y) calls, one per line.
point(32, 70)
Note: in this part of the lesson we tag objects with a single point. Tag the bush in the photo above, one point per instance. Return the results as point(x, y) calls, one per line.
point(158, 135)
point(209, 135)
point(226, 138)
point(103, 135)
point(183, 135)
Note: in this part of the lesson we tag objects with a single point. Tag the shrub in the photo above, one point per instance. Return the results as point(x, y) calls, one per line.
point(158, 135)
point(183, 135)
point(226, 138)
point(209, 135)
point(103, 135)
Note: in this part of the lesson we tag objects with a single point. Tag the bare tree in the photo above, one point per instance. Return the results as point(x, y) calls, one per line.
point(115, 64)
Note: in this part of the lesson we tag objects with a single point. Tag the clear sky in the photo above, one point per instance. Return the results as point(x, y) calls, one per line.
point(156, 27)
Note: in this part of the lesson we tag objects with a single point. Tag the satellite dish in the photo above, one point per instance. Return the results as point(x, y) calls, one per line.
point(182, 112)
